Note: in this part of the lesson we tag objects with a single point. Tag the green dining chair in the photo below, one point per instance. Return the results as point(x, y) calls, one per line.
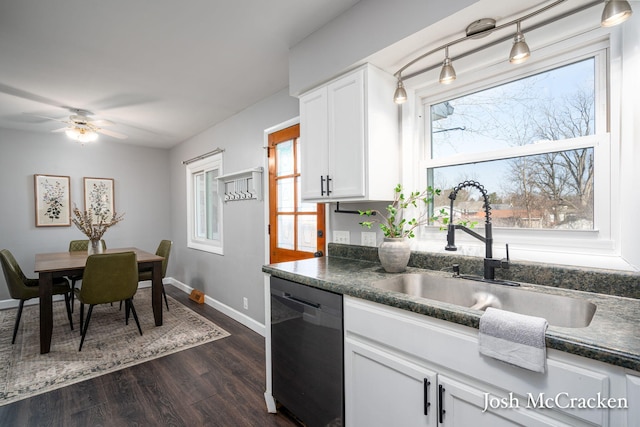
point(108, 278)
point(23, 288)
point(79, 246)
point(164, 249)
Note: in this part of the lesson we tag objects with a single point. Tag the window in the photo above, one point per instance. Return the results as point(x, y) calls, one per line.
point(536, 138)
point(204, 209)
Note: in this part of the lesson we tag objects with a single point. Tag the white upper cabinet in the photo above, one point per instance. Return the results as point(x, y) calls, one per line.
point(349, 138)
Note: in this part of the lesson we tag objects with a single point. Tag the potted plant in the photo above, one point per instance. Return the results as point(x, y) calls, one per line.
point(394, 251)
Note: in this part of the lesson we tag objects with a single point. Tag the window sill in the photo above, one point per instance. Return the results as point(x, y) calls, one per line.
point(206, 248)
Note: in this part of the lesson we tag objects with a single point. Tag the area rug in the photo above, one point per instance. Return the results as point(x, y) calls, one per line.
point(110, 345)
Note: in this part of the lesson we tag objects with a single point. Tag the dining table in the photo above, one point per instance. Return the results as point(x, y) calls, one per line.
point(62, 264)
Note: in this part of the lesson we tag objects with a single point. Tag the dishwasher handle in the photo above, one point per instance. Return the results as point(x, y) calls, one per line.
point(290, 297)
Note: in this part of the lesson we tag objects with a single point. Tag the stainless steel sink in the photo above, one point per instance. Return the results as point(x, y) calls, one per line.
point(559, 310)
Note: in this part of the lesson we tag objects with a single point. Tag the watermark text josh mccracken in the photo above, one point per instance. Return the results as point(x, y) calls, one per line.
point(560, 400)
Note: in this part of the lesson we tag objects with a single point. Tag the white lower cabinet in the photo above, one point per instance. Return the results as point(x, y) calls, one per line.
point(384, 390)
point(462, 405)
point(405, 369)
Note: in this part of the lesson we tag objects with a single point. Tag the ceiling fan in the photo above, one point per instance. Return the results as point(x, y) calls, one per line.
point(82, 128)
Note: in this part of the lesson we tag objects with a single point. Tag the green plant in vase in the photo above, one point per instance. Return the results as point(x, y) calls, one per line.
point(394, 224)
point(394, 252)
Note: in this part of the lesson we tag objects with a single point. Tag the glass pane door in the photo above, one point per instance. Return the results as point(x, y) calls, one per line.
point(297, 228)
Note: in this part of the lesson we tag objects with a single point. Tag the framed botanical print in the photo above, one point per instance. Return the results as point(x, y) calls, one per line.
point(52, 197)
point(98, 198)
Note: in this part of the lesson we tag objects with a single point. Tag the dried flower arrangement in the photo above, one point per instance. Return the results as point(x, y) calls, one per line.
point(86, 222)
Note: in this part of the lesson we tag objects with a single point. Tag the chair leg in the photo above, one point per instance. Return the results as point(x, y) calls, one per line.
point(135, 315)
point(165, 298)
point(81, 317)
point(86, 324)
point(73, 294)
point(126, 311)
point(121, 303)
point(66, 302)
point(18, 316)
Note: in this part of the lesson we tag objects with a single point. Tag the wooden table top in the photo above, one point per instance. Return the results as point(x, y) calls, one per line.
point(56, 261)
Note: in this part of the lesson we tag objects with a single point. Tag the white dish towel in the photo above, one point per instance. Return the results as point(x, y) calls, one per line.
point(514, 338)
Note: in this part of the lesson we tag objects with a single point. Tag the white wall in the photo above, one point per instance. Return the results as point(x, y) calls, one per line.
point(141, 182)
point(366, 28)
point(236, 274)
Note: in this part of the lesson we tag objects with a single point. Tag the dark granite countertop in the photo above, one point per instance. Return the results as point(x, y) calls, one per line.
point(612, 337)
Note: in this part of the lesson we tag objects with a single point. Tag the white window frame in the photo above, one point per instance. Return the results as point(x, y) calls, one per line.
point(192, 170)
point(599, 247)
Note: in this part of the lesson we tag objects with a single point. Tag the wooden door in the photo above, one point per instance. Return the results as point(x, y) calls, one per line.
point(296, 228)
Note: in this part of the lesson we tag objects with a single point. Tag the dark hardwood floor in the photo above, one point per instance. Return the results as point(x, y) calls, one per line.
point(216, 384)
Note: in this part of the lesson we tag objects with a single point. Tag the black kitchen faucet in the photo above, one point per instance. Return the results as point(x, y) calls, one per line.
point(490, 263)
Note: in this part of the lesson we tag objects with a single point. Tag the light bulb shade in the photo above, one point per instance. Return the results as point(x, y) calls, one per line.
point(615, 12)
point(447, 74)
point(400, 95)
point(81, 135)
point(520, 50)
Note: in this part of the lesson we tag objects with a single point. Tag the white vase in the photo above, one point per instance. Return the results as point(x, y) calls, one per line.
point(394, 253)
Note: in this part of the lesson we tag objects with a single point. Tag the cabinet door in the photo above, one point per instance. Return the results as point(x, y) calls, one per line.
point(461, 405)
point(384, 390)
point(313, 140)
point(346, 101)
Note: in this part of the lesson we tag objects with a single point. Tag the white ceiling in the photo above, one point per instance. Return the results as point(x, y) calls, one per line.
point(165, 70)
point(162, 70)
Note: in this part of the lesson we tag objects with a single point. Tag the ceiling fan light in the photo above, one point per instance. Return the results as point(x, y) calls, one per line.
point(81, 135)
point(400, 95)
point(615, 12)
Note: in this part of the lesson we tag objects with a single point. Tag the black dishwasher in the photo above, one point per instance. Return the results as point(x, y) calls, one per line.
point(307, 352)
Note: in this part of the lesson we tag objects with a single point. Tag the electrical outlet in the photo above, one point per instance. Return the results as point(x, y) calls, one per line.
point(341, 237)
point(368, 238)
point(245, 303)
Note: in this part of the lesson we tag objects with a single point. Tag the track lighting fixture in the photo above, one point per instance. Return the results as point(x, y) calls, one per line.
point(447, 74)
point(400, 96)
point(519, 51)
point(615, 12)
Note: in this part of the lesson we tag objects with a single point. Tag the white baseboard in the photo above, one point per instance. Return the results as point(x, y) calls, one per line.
point(271, 403)
point(223, 308)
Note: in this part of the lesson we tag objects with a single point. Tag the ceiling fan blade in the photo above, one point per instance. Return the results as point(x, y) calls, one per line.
point(101, 122)
point(51, 118)
point(14, 91)
point(61, 129)
point(112, 133)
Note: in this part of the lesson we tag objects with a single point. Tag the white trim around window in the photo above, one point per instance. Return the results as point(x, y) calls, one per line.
point(204, 205)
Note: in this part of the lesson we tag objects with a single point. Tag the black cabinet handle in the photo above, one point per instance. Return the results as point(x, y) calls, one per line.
point(426, 385)
point(300, 300)
point(441, 410)
point(328, 180)
point(322, 186)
